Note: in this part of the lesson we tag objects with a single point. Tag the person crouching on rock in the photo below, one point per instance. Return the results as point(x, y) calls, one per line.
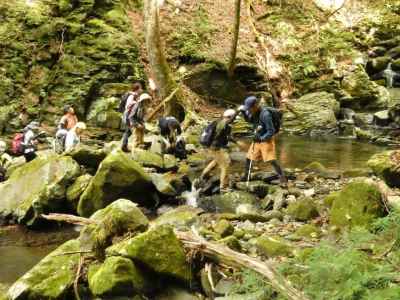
point(136, 120)
point(218, 149)
point(67, 122)
point(5, 161)
point(73, 138)
point(263, 145)
point(31, 134)
point(173, 142)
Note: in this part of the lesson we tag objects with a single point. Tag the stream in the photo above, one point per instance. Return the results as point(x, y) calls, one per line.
point(21, 249)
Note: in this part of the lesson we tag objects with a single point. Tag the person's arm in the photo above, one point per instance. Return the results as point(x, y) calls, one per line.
point(266, 122)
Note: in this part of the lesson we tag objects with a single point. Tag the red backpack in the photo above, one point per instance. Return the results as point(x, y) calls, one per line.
point(17, 144)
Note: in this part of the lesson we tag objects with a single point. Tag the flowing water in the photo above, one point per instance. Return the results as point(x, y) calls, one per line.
point(20, 250)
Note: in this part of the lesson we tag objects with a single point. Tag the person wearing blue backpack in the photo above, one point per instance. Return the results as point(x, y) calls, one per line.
point(216, 137)
point(266, 123)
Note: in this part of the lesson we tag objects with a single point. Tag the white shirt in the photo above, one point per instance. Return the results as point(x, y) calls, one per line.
point(130, 101)
point(71, 140)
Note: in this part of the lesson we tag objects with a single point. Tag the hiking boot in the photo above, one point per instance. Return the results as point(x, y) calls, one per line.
point(125, 148)
point(283, 182)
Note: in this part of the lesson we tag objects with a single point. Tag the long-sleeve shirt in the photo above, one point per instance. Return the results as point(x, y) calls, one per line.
point(29, 138)
point(222, 135)
point(262, 123)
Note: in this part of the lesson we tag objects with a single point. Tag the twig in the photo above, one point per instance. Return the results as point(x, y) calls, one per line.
point(78, 274)
point(69, 219)
point(159, 106)
point(74, 252)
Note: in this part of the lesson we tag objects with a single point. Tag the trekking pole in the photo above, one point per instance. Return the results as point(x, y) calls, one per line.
point(250, 166)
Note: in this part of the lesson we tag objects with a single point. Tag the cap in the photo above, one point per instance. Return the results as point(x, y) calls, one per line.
point(144, 96)
point(249, 102)
point(229, 113)
point(80, 125)
point(33, 125)
point(3, 146)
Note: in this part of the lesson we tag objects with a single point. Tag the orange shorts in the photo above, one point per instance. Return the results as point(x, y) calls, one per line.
point(264, 151)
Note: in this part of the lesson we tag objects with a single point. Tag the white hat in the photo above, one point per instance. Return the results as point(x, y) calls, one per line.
point(80, 125)
point(229, 113)
point(144, 96)
point(3, 146)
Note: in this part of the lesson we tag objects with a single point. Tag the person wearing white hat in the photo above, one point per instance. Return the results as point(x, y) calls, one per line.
point(31, 133)
point(218, 149)
point(73, 138)
point(136, 119)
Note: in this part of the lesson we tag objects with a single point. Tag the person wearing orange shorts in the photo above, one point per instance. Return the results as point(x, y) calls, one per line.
point(263, 145)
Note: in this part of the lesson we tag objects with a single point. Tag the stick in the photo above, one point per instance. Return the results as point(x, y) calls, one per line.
point(159, 106)
point(78, 274)
point(69, 219)
point(73, 252)
point(225, 255)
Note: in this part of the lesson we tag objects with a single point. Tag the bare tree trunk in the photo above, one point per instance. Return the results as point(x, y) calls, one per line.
point(232, 59)
point(158, 63)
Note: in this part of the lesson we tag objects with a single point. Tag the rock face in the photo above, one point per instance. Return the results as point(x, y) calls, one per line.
point(51, 278)
point(118, 176)
point(312, 114)
point(383, 165)
point(159, 250)
point(117, 276)
point(75, 191)
point(358, 204)
point(37, 187)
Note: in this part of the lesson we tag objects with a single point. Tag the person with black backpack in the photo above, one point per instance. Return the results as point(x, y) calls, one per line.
point(266, 123)
point(127, 104)
point(173, 142)
point(216, 137)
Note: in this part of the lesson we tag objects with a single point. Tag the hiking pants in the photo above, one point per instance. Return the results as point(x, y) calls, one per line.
point(29, 156)
point(126, 136)
point(138, 137)
point(222, 160)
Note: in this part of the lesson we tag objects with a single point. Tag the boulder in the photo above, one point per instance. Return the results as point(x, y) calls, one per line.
point(396, 65)
point(386, 166)
point(362, 93)
point(87, 156)
point(378, 64)
point(118, 218)
point(308, 231)
point(37, 187)
point(312, 114)
point(180, 217)
point(303, 209)
point(381, 118)
point(157, 249)
point(117, 276)
point(75, 191)
point(259, 188)
point(231, 202)
point(162, 182)
point(51, 278)
point(272, 246)
point(118, 176)
point(102, 113)
point(224, 228)
point(153, 160)
point(357, 204)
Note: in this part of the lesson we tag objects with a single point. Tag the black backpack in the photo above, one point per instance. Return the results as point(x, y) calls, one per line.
point(122, 102)
point(276, 118)
point(208, 134)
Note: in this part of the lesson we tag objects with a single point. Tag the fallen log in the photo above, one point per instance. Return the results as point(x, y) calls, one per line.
point(161, 105)
point(225, 255)
point(69, 219)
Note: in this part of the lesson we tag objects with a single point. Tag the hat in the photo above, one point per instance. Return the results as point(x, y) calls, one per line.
point(80, 125)
point(3, 146)
point(249, 102)
point(33, 125)
point(144, 96)
point(229, 113)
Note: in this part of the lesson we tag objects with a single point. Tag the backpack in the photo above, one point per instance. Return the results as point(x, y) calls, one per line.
point(208, 134)
point(122, 102)
point(17, 146)
point(276, 118)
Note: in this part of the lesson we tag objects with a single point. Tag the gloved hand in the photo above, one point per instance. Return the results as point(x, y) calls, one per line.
point(241, 108)
point(257, 139)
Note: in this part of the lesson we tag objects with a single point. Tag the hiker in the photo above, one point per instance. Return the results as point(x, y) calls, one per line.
point(263, 145)
point(173, 142)
point(5, 161)
point(128, 102)
point(135, 120)
point(67, 122)
point(73, 136)
point(30, 141)
point(218, 147)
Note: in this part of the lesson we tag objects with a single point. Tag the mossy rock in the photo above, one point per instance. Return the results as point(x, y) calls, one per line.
point(88, 156)
point(118, 176)
point(175, 293)
point(315, 167)
point(308, 231)
point(52, 278)
point(231, 242)
point(148, 159)
point(259, 188)
point(235, 202)
point(328, 200)
point(75, 191)
point(180, 217)
point(384, 167)
point(224, 228)
point(358, 172)
point(37, 187)
point(117, 276)
point(118, 218)
point(272, 246)
point(303, 209)
point(159, 250)
point(357, 204)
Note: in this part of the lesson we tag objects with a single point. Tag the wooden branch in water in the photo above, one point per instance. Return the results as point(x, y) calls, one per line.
point(159, 106)
point(225, 255)
point(68, 219)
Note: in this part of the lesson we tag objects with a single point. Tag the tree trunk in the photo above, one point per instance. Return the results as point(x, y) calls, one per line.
point(232, 59)
point(158, 63)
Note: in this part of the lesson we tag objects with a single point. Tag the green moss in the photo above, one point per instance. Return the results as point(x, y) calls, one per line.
point(358, 204)
point(308, 231)
point(316, 167)
point(76, 190)
point(232, 242)
point(272, 246)
point(384, 167)
point(303, 209)
point(159, 250)
point(224, 228)
point(182, 216)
